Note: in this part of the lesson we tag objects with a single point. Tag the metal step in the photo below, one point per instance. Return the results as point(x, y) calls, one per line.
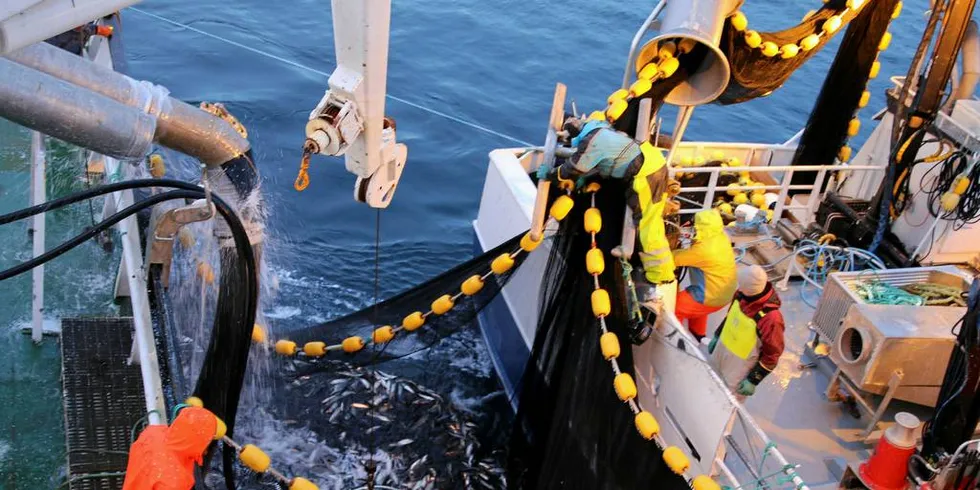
point(103, 398)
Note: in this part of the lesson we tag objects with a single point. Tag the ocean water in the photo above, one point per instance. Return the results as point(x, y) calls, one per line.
point(493, 64)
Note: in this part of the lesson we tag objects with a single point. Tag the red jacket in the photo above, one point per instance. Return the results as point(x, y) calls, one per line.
point(769, 327)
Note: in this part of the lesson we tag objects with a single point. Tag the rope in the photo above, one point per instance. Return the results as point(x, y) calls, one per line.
point(823, 258)
point(144, 420)
point(787, 470)
point(294, 64)
point(880, 293)
point(936, 294)
point(372, 464)
point(90, 476)
point(303, 178)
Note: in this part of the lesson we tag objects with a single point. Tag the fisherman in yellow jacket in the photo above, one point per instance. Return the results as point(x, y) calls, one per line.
point(603, 151)
point(710, 263)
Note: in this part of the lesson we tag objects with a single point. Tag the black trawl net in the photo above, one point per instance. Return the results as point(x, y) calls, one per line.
point(827, 127)
point(419, 298)
point(571, 430)
point(388, 403)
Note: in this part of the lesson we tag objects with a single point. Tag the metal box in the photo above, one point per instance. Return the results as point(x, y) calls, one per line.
point(874, 341)
point(838, 296)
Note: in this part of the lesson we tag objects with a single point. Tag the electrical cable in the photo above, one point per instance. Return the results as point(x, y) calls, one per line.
point(99, 191)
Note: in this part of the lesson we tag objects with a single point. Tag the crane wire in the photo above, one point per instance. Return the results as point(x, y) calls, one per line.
point(301, 66)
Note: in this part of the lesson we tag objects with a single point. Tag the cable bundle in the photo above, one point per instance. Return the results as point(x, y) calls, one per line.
point(823, 258)
point(954, 194)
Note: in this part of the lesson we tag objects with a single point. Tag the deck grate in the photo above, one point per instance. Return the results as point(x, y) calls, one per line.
point(103, 399)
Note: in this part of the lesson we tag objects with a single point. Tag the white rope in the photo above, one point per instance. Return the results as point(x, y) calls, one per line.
point(327, 75)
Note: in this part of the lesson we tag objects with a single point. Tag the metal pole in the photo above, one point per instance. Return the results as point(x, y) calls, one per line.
point(628, 237)
point(683, 117)
point(38, 182)
point(636, 40)
point(143, 342)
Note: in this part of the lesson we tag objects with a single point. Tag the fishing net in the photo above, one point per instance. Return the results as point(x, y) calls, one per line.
point(571, 430)
point(419, 298)
point(755, 74)
point(381, 405)
point(827, 128)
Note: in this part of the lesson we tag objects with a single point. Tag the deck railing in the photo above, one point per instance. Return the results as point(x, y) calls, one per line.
point(782, 175)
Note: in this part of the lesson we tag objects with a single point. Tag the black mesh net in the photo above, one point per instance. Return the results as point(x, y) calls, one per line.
point(571, 430)
point(826, 129)
point(756, 75)
point(391, 312)
point(384, 404)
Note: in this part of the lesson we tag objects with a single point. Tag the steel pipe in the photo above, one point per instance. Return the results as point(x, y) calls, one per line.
point(179, 126)
point(72, 114)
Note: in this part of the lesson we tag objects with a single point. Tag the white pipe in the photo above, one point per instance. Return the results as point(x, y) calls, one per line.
point(928, 236)
point(38, 183)
point(970, 52)
point(683, 118)
point(52, 17)
point(11, 7)
point(143, 343)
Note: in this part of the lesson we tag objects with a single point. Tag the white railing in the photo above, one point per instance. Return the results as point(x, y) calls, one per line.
point(772, 160)
point(782, 175)
point(131, 280)
point(37, 229)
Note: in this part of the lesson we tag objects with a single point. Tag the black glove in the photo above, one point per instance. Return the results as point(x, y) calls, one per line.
point(758, 373)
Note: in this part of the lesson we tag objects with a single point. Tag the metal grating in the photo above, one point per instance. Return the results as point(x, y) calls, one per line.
point(103, 398)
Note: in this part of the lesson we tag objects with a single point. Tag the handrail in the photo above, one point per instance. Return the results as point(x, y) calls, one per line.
point(636, 40)
point(738, 410)
point(784, 186)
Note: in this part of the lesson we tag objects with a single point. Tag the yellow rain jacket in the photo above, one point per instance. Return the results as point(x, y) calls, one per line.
point(650, 186)
point(608, 153)
point(710, 261)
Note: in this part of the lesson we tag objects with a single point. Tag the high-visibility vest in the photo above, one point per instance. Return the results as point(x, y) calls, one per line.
point(740, 333)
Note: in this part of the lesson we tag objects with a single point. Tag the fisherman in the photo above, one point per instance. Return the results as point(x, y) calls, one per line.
point(602, 151)
point(747, 346)
point(163, 458)
point(710, 263)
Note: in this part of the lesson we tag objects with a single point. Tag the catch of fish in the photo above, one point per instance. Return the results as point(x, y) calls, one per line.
point(416, 438)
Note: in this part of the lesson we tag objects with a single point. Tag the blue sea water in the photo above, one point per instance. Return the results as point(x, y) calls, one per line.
point(491, 63)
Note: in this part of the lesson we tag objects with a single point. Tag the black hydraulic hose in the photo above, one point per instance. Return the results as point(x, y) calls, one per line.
point(223, 403)
point(95, 230)
point(100, 191)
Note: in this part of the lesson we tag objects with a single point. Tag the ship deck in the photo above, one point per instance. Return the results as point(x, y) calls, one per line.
point(791, 406)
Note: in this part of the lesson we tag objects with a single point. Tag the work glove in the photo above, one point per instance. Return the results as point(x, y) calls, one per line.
point(671, 207)
point(755, 376)
point(746, 387)
point(673, 187)
point(712, 345)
